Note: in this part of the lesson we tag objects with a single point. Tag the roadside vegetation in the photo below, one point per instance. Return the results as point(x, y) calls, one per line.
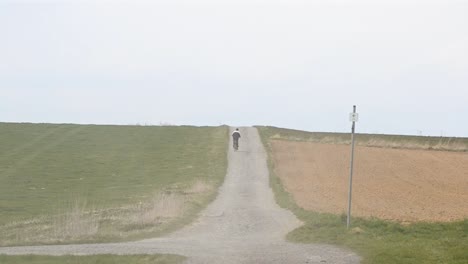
point(67, 183)
point(96, 259)
point(370, 140)
point(376, 241)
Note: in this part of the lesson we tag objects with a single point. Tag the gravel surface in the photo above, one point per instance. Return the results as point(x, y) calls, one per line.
point(243, 224)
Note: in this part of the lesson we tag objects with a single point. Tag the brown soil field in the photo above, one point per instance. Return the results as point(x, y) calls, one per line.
point(393, 184)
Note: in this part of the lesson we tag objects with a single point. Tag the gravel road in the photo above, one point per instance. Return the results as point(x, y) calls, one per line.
point(243, 224)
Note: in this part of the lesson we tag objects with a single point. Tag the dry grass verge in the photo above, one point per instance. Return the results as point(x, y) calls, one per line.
point(371, 140)
point(81, 224)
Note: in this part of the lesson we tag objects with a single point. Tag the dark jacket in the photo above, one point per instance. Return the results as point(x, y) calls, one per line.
point(236, 135)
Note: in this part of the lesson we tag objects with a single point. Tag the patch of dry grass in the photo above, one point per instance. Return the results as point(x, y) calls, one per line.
point(81, 224)
point(76, 223)
point(163, 206)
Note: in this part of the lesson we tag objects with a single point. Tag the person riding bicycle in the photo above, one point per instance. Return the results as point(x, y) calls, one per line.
point(235, 136)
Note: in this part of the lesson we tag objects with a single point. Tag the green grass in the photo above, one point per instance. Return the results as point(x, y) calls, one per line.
point(370, 140)
point(376, 241)
point(98, 259)
point(94, 183)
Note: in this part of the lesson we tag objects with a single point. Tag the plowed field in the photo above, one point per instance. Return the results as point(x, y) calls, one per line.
point(393, 184)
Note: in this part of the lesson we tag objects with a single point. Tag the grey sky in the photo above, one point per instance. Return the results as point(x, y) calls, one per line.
point(284, 63)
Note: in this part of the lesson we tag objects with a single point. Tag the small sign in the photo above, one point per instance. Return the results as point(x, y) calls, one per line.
point(353, 117)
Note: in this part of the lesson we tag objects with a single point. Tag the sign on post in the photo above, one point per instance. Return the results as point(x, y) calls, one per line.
point(353, 117)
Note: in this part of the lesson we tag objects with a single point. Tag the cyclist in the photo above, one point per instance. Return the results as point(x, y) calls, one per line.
point(235, 138)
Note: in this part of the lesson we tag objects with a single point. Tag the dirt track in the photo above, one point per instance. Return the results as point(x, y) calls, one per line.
point(394, 184)
point(243, 224)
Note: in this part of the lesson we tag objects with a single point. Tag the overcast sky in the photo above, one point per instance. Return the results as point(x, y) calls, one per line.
point(295, 64)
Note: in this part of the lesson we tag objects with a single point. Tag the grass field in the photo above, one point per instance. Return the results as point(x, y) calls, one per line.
point(370, 140)
point(97, 259)
point(377, 241)
point(90, 183)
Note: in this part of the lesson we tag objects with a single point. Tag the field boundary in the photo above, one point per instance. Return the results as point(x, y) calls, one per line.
point(455, 144)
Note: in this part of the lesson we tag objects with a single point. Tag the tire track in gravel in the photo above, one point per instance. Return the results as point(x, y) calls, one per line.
point(243, 225)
